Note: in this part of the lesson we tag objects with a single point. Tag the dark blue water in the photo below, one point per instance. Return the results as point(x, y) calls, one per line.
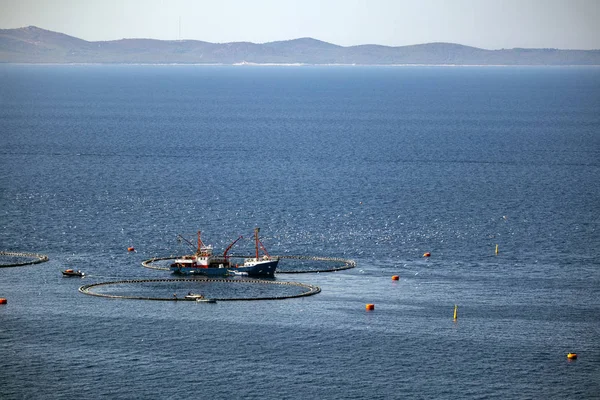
point(375, 164)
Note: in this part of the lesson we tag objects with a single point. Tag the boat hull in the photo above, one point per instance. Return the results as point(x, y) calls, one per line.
point(185, 270)
point(260, 269)
point(70, 272)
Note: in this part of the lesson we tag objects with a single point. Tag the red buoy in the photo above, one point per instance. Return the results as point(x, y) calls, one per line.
point(2, 300)
point(395, 277)
point(130, 249)
point(428, 254)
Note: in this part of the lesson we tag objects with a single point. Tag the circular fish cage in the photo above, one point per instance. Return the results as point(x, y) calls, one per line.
point(210, 289)
point(288, 264)
point(18, 259)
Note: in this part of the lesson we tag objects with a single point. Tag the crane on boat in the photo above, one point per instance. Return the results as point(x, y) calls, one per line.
point(230, 246)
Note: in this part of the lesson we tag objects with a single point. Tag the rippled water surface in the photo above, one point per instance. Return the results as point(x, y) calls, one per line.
point(378, 165)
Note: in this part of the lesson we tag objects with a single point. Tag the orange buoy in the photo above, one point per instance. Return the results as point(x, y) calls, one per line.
point(572, 356)
point(428, 254)
point(395, 277)
point(2, 300)
point(130, 249)
point(370, 307)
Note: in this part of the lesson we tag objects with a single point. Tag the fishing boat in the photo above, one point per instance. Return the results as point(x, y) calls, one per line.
point(205, 262)
point(71, 272)
point(261, 266)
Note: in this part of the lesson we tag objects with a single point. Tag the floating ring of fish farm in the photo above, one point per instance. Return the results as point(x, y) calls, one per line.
point(342, 264)
point(16, 259)
point(174, 284)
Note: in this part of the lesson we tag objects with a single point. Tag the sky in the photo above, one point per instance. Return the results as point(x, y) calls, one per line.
point(489, 24)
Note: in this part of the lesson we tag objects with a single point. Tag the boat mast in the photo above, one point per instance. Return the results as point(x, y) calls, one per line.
point(256, 230)
point(200, 244)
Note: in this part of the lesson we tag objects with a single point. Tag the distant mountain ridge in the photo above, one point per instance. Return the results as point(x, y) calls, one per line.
point(36, 45)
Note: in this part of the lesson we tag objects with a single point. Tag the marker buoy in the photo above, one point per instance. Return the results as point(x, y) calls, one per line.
point(2, 300)
point(395, 277)
point(370, 307)
point(130, 249)
point(496, 249)
point(455, 312)
point(428, 254)
point(572, 356)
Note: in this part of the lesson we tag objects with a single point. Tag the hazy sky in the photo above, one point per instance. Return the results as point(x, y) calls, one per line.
point(490, 24)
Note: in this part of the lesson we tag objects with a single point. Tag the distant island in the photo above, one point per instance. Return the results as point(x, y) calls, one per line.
point(36, 45)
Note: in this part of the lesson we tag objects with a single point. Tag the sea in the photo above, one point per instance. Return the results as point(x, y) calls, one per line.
point(494, 171)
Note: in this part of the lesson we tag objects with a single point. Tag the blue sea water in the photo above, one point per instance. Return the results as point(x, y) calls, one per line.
point(374, 164)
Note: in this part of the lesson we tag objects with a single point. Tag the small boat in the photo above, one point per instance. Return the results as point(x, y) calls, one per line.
point(204, 262)
point(71, 272)
point(193, 296)
point(198, 298)
point(206, 301)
